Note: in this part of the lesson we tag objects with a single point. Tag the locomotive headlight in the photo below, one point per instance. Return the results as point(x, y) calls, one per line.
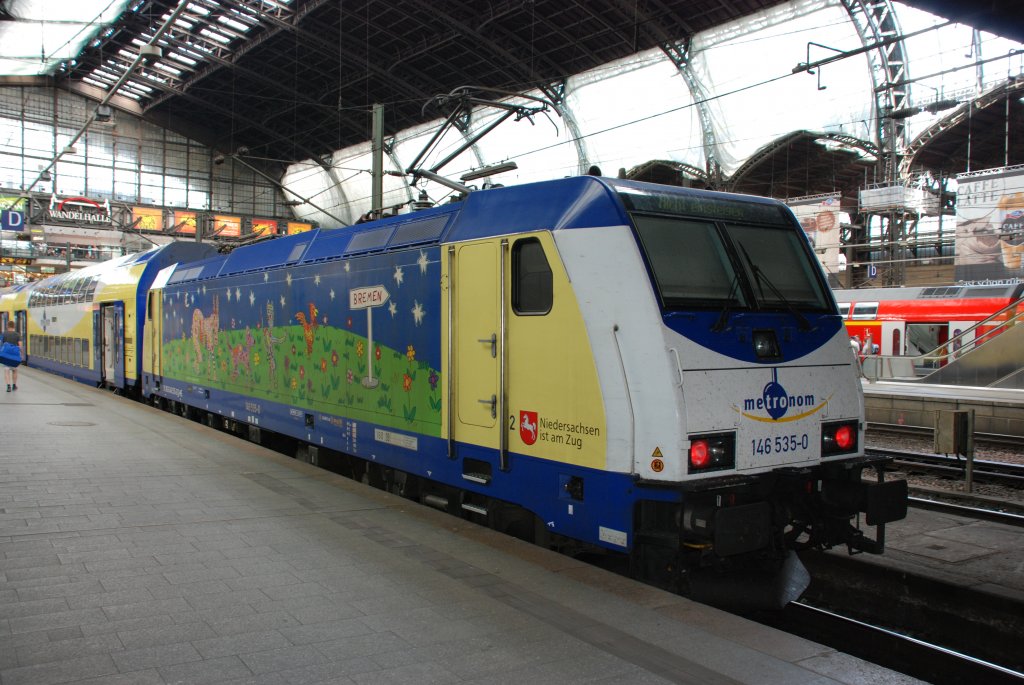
point(766, 345)
point(712, 452)
point(839, 437)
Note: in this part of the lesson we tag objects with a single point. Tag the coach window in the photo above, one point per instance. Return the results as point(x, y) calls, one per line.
point(531, 278)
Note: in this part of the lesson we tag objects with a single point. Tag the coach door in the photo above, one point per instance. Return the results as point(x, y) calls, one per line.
point(155, 334)
point(112, 369)
point(476, 349)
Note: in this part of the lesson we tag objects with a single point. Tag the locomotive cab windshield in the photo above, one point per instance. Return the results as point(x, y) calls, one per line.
point(726, 260)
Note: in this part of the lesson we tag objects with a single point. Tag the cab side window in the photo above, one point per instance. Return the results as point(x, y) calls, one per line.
point(531, 278)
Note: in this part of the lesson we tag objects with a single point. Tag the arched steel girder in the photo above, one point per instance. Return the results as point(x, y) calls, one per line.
point(877, 24)
point(555, 93)
point(683, 167)
point(998, 94)
point(679, 53)
point(765, 152)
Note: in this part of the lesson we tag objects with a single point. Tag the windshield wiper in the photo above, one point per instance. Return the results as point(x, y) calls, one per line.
point(727, 308)
point(760, 278)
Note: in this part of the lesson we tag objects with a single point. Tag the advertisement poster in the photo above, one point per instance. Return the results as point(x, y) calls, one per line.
point(296, 227)
point(227, 226)
point(148, 218)
point(990, 225)
point(185, 223)
point(820, 217)
point(264, 227)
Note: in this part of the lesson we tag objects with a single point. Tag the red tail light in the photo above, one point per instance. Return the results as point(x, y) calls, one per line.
point(838, 438)
point(700, 455)
point(845, 437)
point(712, 452)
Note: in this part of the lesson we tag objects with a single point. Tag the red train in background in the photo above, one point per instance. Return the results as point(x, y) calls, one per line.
point(912, 321)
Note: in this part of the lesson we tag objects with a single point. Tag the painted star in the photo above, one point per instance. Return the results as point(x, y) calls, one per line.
point(423, 261)
point(393, 308)
point(316, 280)
point(417, 312)
point(204, 290)
point(266, 277)
point(288, 280)
point(399, 276)
point(252, 298)
point(282, 302)
point(347, 267)
point(332, 294)
point(238, 294)
point(229, 294)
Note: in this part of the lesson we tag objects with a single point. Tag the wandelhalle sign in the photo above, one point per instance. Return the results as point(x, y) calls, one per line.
point(77, 210)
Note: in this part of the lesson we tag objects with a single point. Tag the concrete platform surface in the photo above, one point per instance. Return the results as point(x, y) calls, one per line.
point(138, 547)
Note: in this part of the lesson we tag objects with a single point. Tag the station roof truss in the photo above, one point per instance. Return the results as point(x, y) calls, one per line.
point(297, 79)
point(983, 132)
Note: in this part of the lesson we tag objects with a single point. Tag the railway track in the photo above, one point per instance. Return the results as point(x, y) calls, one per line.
point(996, 472)
point(912, 656)
point(995, 439)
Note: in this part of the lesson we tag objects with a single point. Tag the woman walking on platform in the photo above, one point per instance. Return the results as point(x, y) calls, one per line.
point(10, 361)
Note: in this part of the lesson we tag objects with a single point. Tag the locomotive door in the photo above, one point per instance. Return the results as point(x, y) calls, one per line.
point(476, 345)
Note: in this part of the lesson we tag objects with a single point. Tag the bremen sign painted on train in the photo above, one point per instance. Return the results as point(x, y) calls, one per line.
point(369, 296)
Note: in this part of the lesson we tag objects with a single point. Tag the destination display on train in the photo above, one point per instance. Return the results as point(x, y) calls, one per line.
point(704, 206)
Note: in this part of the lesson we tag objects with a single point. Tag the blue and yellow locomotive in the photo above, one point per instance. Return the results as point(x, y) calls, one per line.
point(589, 363)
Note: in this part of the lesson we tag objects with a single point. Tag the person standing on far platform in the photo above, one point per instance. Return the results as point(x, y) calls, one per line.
point(11, 366)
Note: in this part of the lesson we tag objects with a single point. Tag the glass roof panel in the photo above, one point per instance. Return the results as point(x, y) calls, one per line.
point(44, 33)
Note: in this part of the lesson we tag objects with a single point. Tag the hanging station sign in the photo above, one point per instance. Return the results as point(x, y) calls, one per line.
point(77, 210)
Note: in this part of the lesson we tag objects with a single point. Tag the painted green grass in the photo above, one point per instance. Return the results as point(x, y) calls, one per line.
point(328, 379)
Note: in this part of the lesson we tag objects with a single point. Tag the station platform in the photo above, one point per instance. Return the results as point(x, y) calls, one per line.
point(997, 411)
point(139, 547)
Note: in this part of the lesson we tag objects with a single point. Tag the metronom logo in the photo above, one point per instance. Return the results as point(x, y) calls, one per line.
point(776, 402)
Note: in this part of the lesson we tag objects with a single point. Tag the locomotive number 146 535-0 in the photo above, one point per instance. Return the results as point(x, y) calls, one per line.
point(780, 444)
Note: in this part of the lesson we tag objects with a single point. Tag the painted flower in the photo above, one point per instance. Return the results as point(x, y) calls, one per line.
point(350, 377)
point(410, 354)
point(376, 352)
point(323, 365)
point(293, 349)
point(295, 383)
point(348, 322)
point(302, 372)
point(287, 363)
point(255, 357)
point(433, 379)
point(406, 382)
point(334, 358)
point(359, 348)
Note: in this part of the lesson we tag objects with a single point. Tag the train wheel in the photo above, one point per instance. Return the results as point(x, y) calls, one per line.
point(373, 476)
